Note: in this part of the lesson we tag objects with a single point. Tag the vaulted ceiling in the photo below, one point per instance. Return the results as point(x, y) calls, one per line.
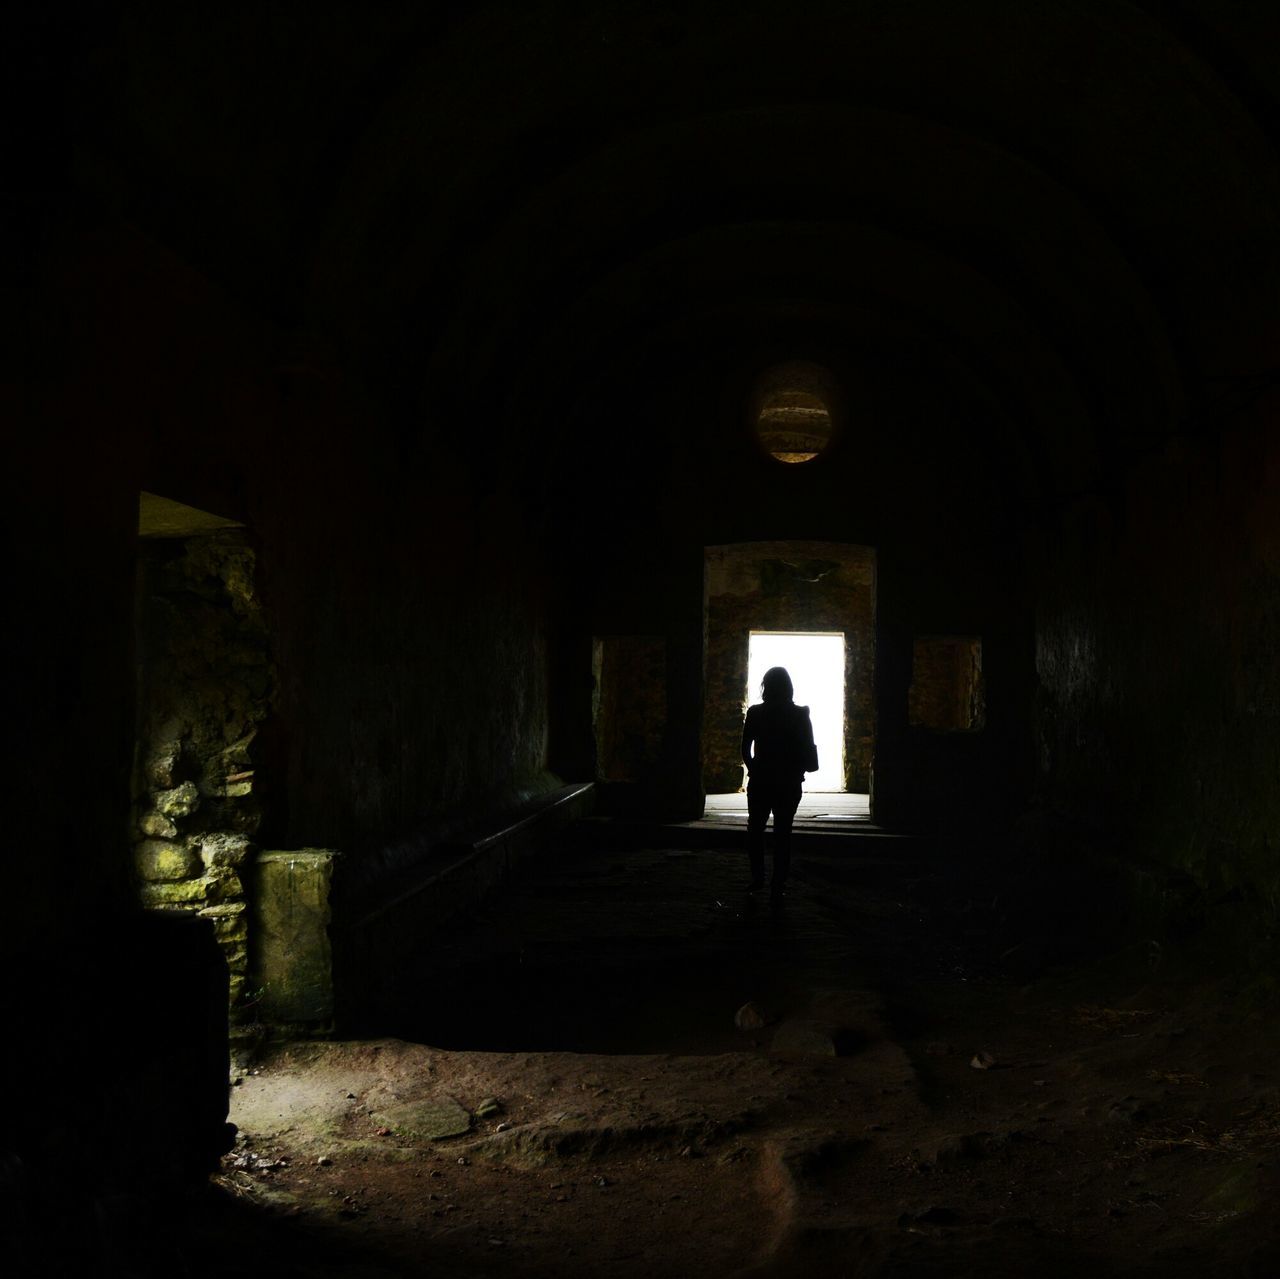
point(1073, 204)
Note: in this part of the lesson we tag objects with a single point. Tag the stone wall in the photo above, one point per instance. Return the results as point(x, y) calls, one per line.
point(204, 680)
point(1159, 712)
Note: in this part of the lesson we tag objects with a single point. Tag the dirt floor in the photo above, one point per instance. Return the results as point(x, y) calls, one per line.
point(920, 1086)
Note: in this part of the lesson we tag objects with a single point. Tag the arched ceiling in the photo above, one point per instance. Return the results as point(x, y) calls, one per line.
point(859, 286)
point(1076, 200)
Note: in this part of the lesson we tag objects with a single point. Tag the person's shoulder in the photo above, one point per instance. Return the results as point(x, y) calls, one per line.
point(803, 710)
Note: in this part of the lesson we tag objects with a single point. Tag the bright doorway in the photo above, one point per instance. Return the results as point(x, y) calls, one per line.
point(815, 662)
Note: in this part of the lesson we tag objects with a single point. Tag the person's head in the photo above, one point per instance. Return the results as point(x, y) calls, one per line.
point(776, 685)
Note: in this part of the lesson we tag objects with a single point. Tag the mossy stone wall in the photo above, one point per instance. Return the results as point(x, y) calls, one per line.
point(204, 682)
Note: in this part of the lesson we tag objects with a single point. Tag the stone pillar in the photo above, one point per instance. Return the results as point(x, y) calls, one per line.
point(292, 955)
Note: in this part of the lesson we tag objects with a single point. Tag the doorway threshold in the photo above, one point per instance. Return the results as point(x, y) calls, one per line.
point(826, 821)
point(817, 808)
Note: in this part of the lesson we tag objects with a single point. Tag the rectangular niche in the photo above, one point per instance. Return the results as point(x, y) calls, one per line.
point(946, 693)
point(630, 705)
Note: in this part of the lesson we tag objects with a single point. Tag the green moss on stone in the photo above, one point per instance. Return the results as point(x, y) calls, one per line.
point(229, 928)
point(229, 933)
point(161, 860)
point(181, 801)
point(187, 892)
point(431, 1119)
point(224, 885)
point(157, 825)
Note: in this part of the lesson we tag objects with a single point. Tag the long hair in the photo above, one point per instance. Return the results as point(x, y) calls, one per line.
point(776, 685)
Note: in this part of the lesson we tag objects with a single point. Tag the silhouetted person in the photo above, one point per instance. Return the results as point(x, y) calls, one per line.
point(778, 749)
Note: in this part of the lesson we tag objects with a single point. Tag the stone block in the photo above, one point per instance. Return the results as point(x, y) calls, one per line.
point(292, 953)
point(158, 825)
point(224, 885)
point(186, 892)
point(230, 921)
point(225, 849)
point(803, 1039)
point(161, 860)
point(161, 763)
point(181, 801)
point(235, 935)
point(224, 910)
point(431, 1119)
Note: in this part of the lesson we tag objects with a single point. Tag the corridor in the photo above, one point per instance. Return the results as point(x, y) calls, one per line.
point(423, 423)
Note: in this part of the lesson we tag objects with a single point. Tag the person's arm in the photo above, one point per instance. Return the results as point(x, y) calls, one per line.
point(748, 736)
point(806, 742)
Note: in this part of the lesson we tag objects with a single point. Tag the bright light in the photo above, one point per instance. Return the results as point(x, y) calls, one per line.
point(816, 666)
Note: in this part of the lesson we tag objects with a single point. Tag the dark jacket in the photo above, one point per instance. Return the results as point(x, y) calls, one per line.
point(782, 735)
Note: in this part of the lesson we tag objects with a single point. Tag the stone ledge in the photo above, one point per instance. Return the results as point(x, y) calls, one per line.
point(182, 892)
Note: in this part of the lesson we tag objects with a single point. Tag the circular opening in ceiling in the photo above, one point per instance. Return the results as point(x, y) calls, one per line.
point(791, 411)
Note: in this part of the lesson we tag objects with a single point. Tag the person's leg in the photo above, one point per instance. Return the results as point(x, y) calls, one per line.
point(757, 819)
point(786, 799)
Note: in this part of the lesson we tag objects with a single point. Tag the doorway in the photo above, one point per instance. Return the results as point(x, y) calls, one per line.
point(825, 590)
point(815, 662)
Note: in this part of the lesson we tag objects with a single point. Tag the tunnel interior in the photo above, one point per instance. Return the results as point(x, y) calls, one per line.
point(414, 413)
